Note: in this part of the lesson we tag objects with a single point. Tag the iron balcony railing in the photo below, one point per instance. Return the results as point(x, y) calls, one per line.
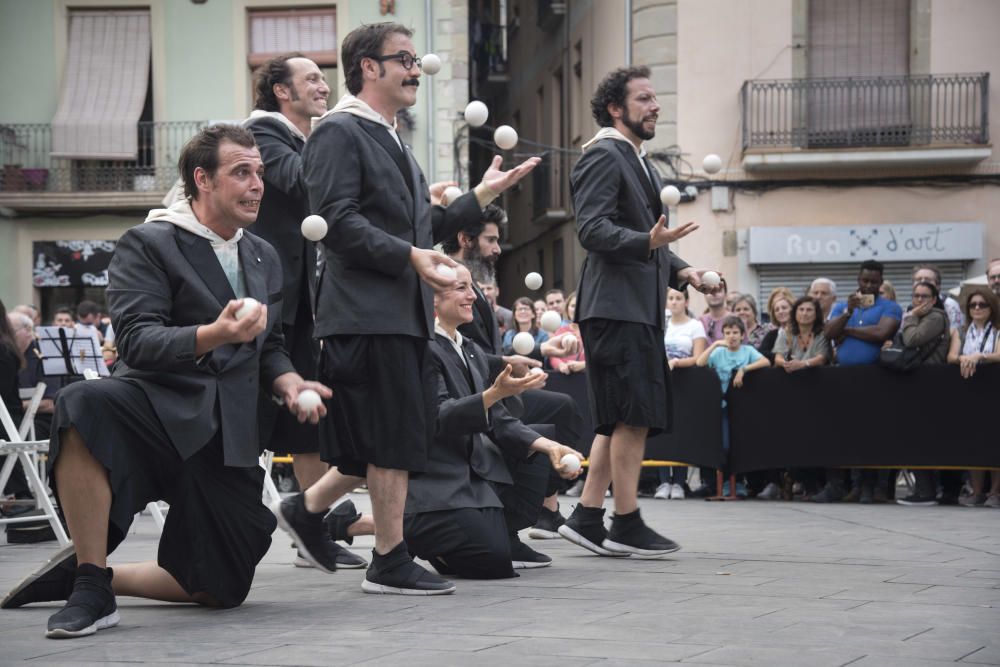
point(942, 109)
point(26, 163)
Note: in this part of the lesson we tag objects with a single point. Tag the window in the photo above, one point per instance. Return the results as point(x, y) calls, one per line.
point(558, 266)
point(312, 32)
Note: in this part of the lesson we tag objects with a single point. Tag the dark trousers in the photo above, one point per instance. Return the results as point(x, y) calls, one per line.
point(560, 411)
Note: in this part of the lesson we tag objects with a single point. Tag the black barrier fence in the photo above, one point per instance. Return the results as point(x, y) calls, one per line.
point(826, 418)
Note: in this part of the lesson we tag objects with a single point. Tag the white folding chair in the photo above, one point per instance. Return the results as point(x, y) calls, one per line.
point(16, 450)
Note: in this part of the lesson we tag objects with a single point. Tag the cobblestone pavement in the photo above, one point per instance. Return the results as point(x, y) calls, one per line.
point(757, 583)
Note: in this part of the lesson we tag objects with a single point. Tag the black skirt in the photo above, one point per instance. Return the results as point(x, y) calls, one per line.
point(384, 403)
point(628, 379)
point(217, 529)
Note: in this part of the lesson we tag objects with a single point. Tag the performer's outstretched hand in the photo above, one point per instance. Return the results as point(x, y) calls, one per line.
point(437, 192)
point(288, 386)
point(227, 329)
point(498, 181)
point(426, 262)
point(506, 385)
point(521, 364)
point(661, 235)
point(692, 277)
point(556, 452)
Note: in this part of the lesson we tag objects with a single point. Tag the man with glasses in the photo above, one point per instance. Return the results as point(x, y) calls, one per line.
point(374, 302)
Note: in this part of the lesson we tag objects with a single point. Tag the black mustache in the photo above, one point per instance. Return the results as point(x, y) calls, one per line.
point(412, 82)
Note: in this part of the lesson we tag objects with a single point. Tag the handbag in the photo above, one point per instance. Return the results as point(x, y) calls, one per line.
point(901, 359)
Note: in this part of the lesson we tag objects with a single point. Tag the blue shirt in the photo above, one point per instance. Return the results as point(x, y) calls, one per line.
point(725, 362)
point(852, 351)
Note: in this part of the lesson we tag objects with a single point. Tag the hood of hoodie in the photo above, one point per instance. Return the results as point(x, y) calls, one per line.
point(612, 133)
point(180, 214)
point(354, 105)
point(278, 116)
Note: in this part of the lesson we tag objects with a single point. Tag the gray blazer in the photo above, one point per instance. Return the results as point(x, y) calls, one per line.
point(616, 207)
point(377, 205)
point(468, 449)
point(163, 283)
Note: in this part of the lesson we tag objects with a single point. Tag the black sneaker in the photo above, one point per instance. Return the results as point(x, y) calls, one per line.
point(523, 557)
point(585, 527)
point(396, 574)
point(346, 559)
point(308, 532)
point(831, 493)
point(52, 581)
point(547, 526)
point(90, 607)
point(340, 519)
point(915, 500)
point(867, 496)
point(629, 534)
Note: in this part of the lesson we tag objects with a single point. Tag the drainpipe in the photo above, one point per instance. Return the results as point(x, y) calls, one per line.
point(431, 116)
point(628, 33)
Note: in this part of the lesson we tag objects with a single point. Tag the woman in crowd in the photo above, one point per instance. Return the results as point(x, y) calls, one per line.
point(684, 341)
point(577, 362)
point(525, 320)
point(925, 326)
point(11, 361)
point(887, 290)
point(539, 308)
point(979, 343)
point(779, 309)
point(745, 307)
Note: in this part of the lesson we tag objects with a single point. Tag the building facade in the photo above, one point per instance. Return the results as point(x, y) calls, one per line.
point(847, 130)
point(108, 91)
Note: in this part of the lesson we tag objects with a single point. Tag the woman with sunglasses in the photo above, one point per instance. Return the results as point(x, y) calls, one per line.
point(979, 343)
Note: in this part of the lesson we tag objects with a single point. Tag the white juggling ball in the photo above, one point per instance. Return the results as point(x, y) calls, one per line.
point(248, 306)
point(451, 193)
point(712, 164)
point(670, 195)
point(309, 399)
point(571, 462)
point(536, 371)
point(430, 64)
point(524, 343)
point(505, 137)
point(566, 339)
point(710, 279)
point(550, 321)
point(314, 227)
point(446, 271)
point(533, 280)
point(476, 113)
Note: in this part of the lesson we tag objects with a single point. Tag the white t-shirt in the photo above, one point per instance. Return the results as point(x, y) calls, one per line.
point(679, 338)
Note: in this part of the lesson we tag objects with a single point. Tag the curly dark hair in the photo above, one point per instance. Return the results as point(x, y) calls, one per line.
point(274, 71)
point(612, 90)
point(793, 324)
point(872, 265)
point(365, 42)
point(203, 151)
point(491, 214)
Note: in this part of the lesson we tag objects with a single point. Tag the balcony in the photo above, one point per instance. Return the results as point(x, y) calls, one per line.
point(31, 181)
point(865, 121)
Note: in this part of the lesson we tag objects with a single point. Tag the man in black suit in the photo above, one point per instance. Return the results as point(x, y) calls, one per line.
point(623, 285)
point(289, 92)
point(375, 299)
point(483, 481)
point(196, 304)
point(477, 245)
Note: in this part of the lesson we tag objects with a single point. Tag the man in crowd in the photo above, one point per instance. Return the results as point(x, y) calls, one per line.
point(623, 285)
point(859, 327)
point(993, 276)
point(555, 299)
point(378, 259)
point(30, 311)
point(88, 319)
point(63, 317)
point(716, 299)
point(178, 419)
point(824, 291)
point(932, 274)
point(289, 92)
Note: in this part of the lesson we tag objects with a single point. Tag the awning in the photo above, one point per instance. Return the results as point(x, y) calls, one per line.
point(104, 85)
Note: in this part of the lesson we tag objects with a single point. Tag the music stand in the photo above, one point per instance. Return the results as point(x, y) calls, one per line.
point(66, 351)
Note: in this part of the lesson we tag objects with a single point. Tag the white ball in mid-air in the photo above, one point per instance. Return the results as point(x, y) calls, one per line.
point(524, 343)
point(505, 137)
point(249, 305)
point(571, 462)
point(430, 64)
point(670, 195)
point(309, 399)
point(476, 113)
point(533, 280)
point(712, 164)
point(314, 227)
point(446, 271)
point(550, 321)
point(710, 279)
point(451, 193)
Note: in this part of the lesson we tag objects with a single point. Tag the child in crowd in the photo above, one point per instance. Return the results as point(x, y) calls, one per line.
point(731, 360)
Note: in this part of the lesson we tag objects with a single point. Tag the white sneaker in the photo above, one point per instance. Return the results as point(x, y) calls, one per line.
point(663, 491)
point(676, 492)
point(770, 492)
point(575, 490)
